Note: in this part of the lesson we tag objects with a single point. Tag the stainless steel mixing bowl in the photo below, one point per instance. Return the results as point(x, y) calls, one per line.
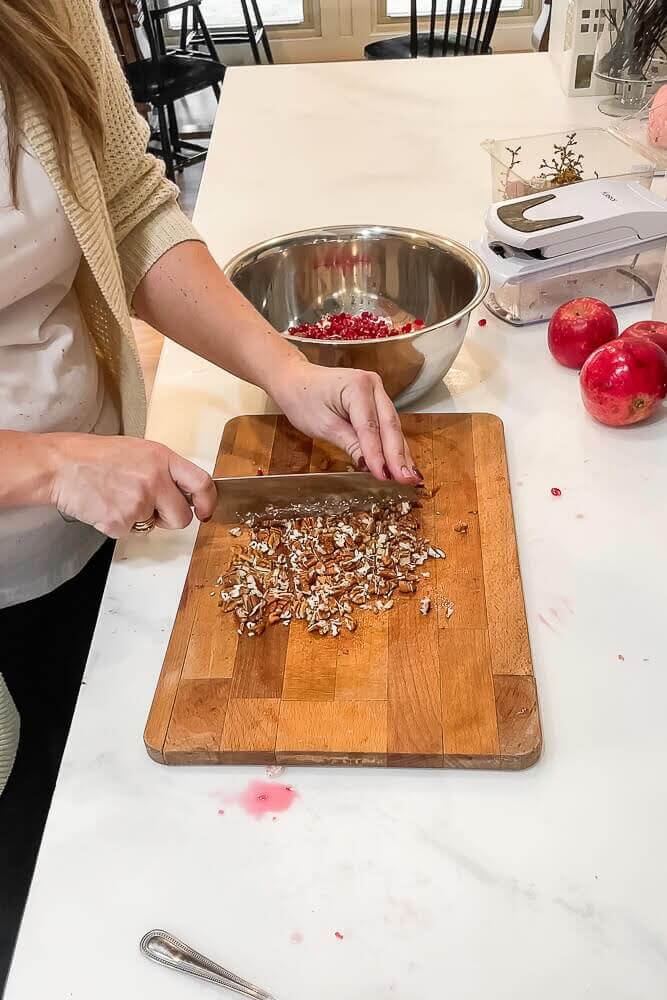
point(395, 273)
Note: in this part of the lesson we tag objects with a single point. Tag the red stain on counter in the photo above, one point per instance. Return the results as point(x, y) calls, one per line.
point(545, 622)
point(221, 812)
point(261, 797)
point(296, 937)
point(338, 935)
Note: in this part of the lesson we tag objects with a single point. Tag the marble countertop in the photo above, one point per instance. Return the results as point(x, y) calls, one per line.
point(549, 882)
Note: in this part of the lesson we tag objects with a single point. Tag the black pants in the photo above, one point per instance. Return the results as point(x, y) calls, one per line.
point(43, 650)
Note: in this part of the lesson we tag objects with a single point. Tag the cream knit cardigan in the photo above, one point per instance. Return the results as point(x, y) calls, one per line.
point(124, 217)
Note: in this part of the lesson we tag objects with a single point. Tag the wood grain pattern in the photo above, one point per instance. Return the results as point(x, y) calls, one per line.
point(362, 661)
point(196, 721)
point(468, 695)
point(518, 721)
point(403, 690)
point(461, 577)
point(250, 730)
point(345, 732)
point(414, 712)
point(508, 631)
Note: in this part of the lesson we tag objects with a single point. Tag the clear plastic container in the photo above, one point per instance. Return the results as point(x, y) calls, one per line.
point(620, 279)
point(633, 131)
point(517, 166)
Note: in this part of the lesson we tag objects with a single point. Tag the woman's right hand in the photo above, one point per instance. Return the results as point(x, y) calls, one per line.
point(113, 482)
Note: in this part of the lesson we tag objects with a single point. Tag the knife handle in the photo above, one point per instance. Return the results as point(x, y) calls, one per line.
point(167, 950)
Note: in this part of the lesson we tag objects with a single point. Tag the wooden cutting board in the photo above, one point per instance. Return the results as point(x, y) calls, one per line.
point(404, 689)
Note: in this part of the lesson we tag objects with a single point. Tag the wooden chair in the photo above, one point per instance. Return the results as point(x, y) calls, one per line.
point(463, 32)
point(164, 78)
point(122, 17)
point(198, 36)
point(540, 36)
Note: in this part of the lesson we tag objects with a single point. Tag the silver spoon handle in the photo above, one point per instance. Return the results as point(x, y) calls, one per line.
point(167, 950)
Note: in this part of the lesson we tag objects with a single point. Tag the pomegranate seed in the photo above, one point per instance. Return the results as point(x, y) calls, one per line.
point(260, 472)
point(345, 326)
point(481, 322)
point(555, 492)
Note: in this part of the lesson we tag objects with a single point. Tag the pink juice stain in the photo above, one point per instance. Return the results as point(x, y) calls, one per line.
point(261, 797)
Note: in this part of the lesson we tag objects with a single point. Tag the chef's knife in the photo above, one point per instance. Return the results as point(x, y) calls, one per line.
point(307, 495)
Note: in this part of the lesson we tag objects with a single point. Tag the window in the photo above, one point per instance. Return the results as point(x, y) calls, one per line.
point(401, 8)
point(228, 13)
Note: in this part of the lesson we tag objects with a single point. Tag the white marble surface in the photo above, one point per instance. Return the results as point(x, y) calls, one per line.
point(548, 883)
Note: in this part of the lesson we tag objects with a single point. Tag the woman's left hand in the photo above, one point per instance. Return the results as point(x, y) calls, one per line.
point(351, 410)
point(186, 296)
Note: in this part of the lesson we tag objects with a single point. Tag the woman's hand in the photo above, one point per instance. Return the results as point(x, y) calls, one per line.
point(350, 409)
point(112, 482)
point(186, 296)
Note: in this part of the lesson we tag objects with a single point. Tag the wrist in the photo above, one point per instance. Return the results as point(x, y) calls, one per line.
point(284, 369)
point(48, 456)
point(29, 464)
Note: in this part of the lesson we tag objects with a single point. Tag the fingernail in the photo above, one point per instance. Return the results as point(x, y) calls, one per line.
point(361, 465)
point(417, 472)
point(385, 472)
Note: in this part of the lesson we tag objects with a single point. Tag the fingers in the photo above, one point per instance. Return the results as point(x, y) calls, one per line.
point(377, 428)
point(363, 416)
point(172, 511)
point(395, 447)
point(343, 435)
point(167, 479)
point(189, 478)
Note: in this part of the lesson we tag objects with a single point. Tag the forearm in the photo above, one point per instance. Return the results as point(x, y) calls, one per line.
point(186, 297)
point(26, 468)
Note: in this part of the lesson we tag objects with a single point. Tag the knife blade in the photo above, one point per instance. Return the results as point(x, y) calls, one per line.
point(303, 495)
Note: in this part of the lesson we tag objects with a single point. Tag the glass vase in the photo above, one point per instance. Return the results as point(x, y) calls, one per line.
point(631, 52)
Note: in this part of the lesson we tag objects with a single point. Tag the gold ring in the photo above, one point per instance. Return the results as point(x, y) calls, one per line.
point(143, 527)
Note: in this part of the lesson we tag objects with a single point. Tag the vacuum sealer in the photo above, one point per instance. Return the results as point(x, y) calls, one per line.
point(602, 238)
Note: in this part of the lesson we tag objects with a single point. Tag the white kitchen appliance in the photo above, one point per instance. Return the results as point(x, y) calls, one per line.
point(575, 25)
point(600, 238)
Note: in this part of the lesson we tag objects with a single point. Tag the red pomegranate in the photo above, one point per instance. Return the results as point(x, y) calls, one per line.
point(657, 332)
point(623, 382)
point(579, 327)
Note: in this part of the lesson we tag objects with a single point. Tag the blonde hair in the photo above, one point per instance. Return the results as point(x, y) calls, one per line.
point(37, 58)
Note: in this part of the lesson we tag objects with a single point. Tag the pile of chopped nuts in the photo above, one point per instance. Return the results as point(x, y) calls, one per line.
point(324, 570)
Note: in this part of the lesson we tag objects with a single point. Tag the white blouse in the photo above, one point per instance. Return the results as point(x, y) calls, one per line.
point(49, 376)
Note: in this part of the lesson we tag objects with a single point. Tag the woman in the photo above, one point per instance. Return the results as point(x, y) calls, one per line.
point(89, 230)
